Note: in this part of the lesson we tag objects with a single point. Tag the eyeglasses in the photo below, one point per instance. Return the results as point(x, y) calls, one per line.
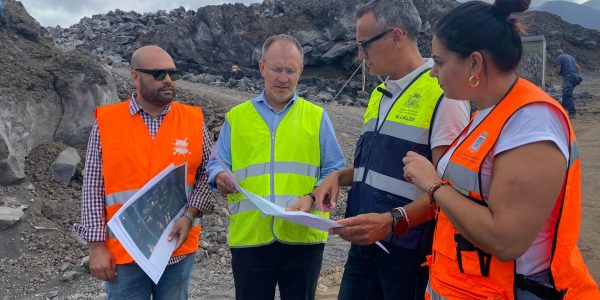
point(278, 70)
point(161, 74)
point(363, 45)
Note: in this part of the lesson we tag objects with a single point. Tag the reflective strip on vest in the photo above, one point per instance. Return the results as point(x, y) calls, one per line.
point(574, 155)
point(463, 179)
point(406, 132)
point(122, 197)
point(358, 173)
point(110, 234)
point(370, 126)
point(392, 185)
point(282, 167)
point(247, 205)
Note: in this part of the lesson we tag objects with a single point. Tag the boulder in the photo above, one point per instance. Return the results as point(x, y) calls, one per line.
point(10, 216)
point(64, 166)
point(124, 39)
point(337, 51)
point(307, 38)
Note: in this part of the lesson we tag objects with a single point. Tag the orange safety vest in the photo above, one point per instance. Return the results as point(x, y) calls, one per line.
point(131, 157)
point(460, 270)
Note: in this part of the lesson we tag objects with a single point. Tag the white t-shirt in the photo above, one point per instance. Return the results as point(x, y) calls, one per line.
point(533, 123)
point(450, 119)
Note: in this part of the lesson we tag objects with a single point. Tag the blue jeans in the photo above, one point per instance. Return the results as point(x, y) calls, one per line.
point(567, 95)
point(370, 273)
point(295, 268)
point(133, 284)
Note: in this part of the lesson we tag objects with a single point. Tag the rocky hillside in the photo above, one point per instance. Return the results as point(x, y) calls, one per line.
point(45, 94)
point(573, 13)
point(582, 43)
point(208, 41)
point(217, 36)
point(593, 4)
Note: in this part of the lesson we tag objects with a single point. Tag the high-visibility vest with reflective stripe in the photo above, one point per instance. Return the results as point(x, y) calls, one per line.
point(130, 158)
point(379, 184)
point(460, 270)
point(292, 153)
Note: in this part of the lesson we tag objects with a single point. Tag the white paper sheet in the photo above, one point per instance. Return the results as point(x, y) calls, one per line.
point(143, 223)
point(272, 209)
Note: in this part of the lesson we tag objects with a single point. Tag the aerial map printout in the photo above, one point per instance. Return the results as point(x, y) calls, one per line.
point(144, 222)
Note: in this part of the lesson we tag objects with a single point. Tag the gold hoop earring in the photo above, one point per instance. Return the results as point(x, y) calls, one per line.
point(473, 83)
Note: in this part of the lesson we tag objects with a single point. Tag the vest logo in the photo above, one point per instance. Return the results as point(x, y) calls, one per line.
point(480, 139)
point(413, 101)
point(181, 147)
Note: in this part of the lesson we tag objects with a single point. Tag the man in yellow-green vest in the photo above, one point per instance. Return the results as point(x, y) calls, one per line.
point(279, 146)
point(408, 112)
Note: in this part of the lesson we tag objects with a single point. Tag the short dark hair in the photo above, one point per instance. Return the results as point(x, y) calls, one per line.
point(394, 14)
point(479, 26)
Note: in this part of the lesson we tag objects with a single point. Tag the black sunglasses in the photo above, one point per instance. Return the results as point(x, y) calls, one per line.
point(161, 74)
point(365, 44)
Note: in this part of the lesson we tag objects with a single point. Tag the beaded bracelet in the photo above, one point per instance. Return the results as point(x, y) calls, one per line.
point(435, 187)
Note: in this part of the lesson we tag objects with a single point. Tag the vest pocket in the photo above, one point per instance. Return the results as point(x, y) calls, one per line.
point(384, 201)
point(452, 285)
point(471, 260)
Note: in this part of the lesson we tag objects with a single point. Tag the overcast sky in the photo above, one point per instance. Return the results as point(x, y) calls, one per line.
point(68, 12)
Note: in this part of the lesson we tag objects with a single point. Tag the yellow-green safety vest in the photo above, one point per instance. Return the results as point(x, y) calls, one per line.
point(292, 154)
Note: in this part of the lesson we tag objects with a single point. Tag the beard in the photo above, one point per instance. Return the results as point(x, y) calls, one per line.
point(156, 96)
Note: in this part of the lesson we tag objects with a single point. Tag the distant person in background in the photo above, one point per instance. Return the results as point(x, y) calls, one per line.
point(567, 67)
point(130, 143)
point(236, 72)
point(279, 146)
point(2, 17)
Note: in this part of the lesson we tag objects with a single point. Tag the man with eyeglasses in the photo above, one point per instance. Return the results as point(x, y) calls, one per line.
point(279, 146)
point(407, 112)
point(129, 144)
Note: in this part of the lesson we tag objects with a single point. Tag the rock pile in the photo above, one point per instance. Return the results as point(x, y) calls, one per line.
point(205, 43)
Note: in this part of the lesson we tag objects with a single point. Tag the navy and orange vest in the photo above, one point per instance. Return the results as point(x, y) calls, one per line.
point(131, 157)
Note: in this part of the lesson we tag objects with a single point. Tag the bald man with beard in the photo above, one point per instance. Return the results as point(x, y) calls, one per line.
point(129, 144)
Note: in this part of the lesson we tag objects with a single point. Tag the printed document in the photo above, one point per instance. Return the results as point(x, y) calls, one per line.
point(143, 223)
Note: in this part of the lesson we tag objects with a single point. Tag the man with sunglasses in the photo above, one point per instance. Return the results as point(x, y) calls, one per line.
point(129, 144)
point(279, 146)
point(407, 112)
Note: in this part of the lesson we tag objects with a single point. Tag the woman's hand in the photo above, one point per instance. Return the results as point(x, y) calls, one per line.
point(419, 171)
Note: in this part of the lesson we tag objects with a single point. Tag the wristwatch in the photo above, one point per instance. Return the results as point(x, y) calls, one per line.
point(399, 222)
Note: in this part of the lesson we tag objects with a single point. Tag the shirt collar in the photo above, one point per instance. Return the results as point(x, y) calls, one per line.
point(400, 84)
point(135, 107)
point(262, 100)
